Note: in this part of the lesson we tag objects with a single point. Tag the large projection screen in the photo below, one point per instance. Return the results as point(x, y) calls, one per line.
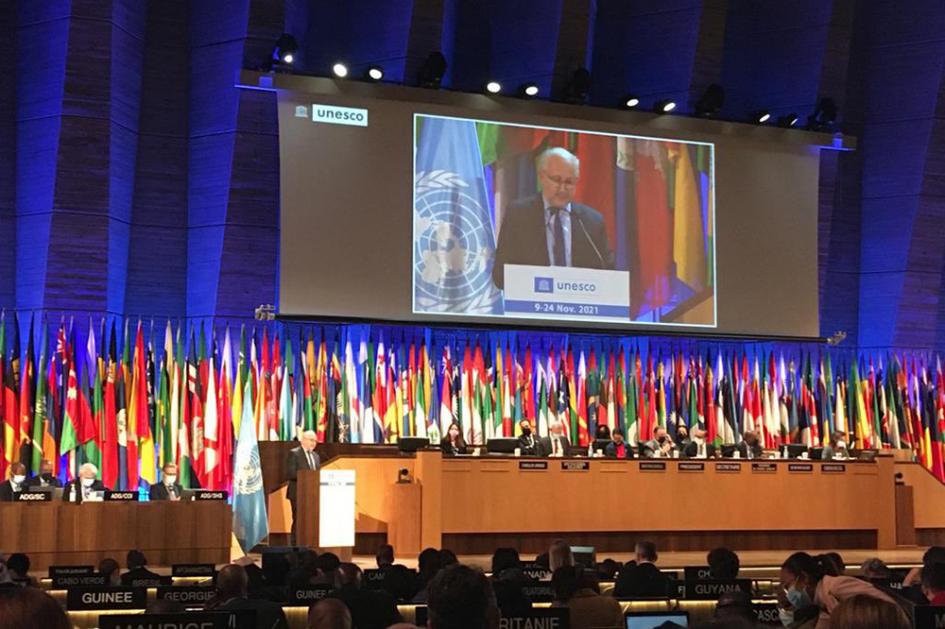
point(410, 205)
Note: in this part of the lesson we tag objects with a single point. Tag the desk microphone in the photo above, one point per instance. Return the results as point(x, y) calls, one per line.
point(603, 264)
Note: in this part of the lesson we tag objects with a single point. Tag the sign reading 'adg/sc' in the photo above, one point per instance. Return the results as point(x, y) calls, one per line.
point(330, 114)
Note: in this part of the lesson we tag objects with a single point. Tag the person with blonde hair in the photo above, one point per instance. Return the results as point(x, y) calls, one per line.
point(868, 612)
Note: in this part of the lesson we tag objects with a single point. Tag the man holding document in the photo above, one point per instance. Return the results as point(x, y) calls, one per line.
point(550, 229)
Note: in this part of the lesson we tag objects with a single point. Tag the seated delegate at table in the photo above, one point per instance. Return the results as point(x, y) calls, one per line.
point(750, 448)
point(82, 487)
point(527, 442)
point(453, 443)
point(15, 484)
point(698, 448)
point(168, 488)
point(836, 447)
point(660, 446)
point(556, 444)
point(45, 479)
point(618, 448)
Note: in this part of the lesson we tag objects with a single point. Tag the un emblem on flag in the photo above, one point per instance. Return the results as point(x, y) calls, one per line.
point(249, 476)
point(453, 248)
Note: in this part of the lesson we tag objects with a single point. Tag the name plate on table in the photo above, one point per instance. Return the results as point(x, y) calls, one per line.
point(186, 595)
point(121, 496)
point(764, 467)
point(553, 292)
point(189, 620)
point(193, 570)
point(652, 466)
point(767, 613)
point(696, 573)
point(106, 598)
point(576, 466)
point(151, 582)
point(540, 618)
point(34, 496)
point(800, 467)
point(65, 581)
point(728, 467)
point(833, 468)
point(209, 494)
point(929, 616)
point(539, 593)
point(533, 465)
point(536, 571)
point(305, 595)
point(712, 589)
point(70, 571)
point(687, 466)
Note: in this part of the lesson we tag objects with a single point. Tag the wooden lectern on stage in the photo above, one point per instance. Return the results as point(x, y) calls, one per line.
point(307, 501)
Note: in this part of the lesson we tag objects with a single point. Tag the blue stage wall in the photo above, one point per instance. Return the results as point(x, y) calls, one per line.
point(136, 180)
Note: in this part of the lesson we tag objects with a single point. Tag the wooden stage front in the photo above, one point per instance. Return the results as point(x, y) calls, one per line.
point(474, 504)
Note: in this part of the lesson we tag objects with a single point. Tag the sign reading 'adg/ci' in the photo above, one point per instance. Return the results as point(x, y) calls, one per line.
point(331, 114)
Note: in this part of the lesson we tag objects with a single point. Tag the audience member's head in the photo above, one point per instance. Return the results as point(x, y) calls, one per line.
point(933, 580)
point(400, 582)
point(232, 582)
point(723, 563)
point(19, 565)
point(384, 556)
point(429, 563)
point(329, 613)
point(875, 568)
point(800, 574)
point(734, 606)
point(559, 554)
point(828, 565)
point(543, 560)
point(30, 607)
point(460, 597)
point(935, 554)
point(565, 581)
point(308, 563)
point(837, 560)
point(275, 569)
point(608, 568)
point(505, 559)
point(867, 612)
point(646, 552)
point(327, 563)
point(165, 606)
point(135, 559)
point(110, 569)
point(349, 576)
point(447, 557)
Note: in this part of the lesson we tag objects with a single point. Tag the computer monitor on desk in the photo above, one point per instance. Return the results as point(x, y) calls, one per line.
point(412, 444)
point(502, 445)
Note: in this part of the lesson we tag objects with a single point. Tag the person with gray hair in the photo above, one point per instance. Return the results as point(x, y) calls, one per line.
point(329, 613)
point(556, 443)
point(82, 487)
point(300, 458)
point(551, 228)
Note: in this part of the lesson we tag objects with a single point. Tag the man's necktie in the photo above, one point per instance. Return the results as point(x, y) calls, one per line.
point(559, 256)
point(311, 462)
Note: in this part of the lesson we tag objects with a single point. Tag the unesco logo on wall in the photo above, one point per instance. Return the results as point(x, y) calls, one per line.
point(330, 114)
point(544, 285)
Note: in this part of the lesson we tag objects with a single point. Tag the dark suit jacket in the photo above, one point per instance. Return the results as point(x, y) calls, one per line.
point(6, 491)
point(96, 486)
point(650, 448)
point(530, 449)
point(691, 450)
point(756, 450)
point(611, 450)
point(296, 461)
point(269, 615)
point(641, 580)
point(546, 448)
point(523, 240)
point(36, 481)
point(159, 491)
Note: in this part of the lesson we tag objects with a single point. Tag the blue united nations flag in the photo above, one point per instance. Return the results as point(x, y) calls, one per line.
point(454, 243)
point(250, 522)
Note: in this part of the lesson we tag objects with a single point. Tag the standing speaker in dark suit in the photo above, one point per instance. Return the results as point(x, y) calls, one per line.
point(550, 229)
point(168, 488)
point(303, 457)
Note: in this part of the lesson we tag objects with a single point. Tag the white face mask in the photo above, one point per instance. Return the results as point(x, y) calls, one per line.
point(170, 480)
point(87, 482)
point(841, 445)
point(18, 478)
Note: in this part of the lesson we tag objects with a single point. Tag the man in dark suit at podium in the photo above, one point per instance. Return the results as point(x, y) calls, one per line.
point(168, 488)
point(301, 458)
point(15, 484)
point(550, 229)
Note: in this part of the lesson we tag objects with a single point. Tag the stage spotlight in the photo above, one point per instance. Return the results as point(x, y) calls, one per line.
point(711, 102)
point(762, 117)
point(432, 71)
point(493, 87)
point(824, 116)
point(529, 90)
point(374, 73)
point(578, 88)
point(664, 106)
point(284, 51)
point(339, 69)
point(788, 121)
point(631, 102)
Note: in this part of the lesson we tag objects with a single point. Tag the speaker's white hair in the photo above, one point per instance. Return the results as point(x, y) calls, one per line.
point(563, 153)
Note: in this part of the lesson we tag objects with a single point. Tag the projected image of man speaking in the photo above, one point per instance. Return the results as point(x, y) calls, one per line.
point(550, 228)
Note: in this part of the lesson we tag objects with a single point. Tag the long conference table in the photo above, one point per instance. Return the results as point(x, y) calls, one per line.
point(473, 504)
point(61, 533)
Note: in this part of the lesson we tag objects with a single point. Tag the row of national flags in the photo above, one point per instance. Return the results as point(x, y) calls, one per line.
point(128, 395)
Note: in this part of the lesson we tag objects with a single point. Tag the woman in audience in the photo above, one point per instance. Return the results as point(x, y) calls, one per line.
point(576, 589)
point(453, 443)
point(809, 593)
point(30, 607)
point(867, 612)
